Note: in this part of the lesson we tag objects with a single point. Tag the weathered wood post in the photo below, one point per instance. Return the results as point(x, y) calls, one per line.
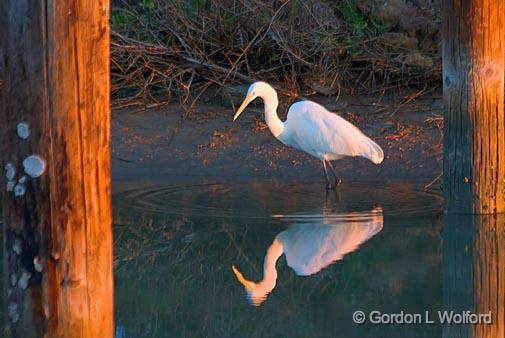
point(473, 50)
point(473, 33)
point(55, 167)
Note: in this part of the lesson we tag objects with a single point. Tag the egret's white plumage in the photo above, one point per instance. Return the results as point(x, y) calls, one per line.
point(313, 129)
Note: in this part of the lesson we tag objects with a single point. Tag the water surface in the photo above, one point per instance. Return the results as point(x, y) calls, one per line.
point(176, 245)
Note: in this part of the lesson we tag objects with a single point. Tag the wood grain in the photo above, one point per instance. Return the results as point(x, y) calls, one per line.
point(474, 128)
point(54, 63)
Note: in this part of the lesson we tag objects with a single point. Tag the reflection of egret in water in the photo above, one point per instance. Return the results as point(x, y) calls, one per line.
point(311, 244)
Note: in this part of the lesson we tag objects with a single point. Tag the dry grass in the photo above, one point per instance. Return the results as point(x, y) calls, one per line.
point(182, 47)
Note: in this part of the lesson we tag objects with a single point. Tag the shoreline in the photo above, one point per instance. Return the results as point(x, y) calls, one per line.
point(157, 144)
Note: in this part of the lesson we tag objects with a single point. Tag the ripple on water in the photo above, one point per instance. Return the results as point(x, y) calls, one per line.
point(260, 200)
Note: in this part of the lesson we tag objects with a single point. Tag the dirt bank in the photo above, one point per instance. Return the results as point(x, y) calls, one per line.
point(156, 144)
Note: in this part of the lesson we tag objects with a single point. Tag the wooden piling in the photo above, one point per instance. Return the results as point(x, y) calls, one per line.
point(55, 165)
point(473, 47)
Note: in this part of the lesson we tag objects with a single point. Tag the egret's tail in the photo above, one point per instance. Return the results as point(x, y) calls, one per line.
point(375, 153)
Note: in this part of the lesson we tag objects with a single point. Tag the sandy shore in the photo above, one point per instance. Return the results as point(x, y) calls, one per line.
point(156, 144)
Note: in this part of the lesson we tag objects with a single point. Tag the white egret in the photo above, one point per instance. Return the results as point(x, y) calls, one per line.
point(312, 244)
point(313, 129)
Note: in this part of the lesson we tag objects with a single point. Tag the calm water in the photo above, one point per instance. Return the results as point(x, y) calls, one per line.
point(366, 247)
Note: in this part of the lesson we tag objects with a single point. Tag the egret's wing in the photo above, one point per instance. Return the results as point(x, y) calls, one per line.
point(311, 246)
point(318, 131)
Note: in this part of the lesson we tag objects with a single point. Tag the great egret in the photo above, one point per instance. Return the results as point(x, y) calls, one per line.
point(312, 244)
point(313, 129)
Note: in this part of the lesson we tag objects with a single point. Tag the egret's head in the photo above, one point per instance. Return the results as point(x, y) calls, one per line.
point(257, 89)
point(256, 292)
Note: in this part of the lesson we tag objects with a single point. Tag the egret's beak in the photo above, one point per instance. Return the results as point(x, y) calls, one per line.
point(249, 286)
point(244, 104)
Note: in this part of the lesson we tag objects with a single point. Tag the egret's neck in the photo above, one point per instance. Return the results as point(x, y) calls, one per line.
point(269, 280)
point(273, 121)
point(258, 292)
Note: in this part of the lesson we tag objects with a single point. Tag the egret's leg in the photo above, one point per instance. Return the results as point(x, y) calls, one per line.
point(337, 180)
point(326, 177)
point(331, 199)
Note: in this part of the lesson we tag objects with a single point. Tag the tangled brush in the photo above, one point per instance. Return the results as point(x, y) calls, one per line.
point(162, 48)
